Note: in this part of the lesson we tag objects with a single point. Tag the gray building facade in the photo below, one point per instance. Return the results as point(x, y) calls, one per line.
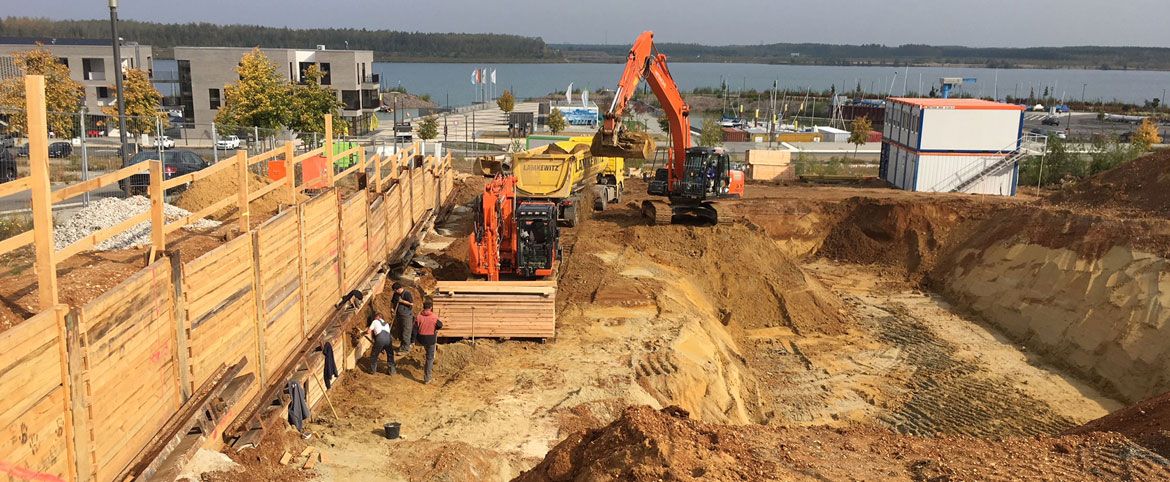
point(204, 72)
point(90, 62)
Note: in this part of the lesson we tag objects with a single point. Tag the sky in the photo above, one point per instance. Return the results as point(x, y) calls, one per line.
point(978, 23)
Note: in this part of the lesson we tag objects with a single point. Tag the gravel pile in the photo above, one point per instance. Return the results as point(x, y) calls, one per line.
point(108, 212)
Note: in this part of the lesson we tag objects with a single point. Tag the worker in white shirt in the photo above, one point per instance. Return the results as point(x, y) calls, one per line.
point(380, 333)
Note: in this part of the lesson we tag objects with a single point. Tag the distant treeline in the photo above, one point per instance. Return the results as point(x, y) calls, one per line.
point(457, 47)
point(388, 44)
point(1146, 58)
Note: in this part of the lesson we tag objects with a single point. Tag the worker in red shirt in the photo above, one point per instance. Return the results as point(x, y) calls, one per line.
point(426, 327)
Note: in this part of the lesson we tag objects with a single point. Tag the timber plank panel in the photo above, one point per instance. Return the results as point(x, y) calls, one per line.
point(354, 241)
point(221, 309)
point(32, 419)
point(129, 381)
point(496, 309)
point(322, 265)
point(377, 230)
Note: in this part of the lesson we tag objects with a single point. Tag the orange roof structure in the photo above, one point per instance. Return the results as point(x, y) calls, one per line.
point(958, 104)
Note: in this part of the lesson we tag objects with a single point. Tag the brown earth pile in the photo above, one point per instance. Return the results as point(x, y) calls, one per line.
point(891, 233)
point(751, 282)
point(1147, 423)
point(263, 463)
point(649, 445)
point(1139, 187)
point(210, 190)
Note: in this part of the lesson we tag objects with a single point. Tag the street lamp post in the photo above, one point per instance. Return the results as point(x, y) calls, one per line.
point(118, 79)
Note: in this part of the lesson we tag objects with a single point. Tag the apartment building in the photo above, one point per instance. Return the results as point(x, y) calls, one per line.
point(90, 62)
point(203, 72)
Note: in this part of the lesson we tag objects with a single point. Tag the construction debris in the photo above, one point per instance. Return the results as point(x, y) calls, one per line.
point(108, 212)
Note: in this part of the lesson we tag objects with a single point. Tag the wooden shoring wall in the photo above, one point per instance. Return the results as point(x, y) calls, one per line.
point(319, 255)
point(129, 366)
point(278, 290)
point(378, 239)
point(35, 435)
point(220, 309)
point(355, 255)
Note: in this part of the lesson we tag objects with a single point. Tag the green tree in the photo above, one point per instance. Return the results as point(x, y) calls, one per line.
point(556, 121)
point(143, 103)
point(259, 99)
point(1108, 155)
point(1146, 135)
point(859, 133)
point(63, 95)
point(711, 134)
point(506, 102)
point(310, 101)
point(428, 129)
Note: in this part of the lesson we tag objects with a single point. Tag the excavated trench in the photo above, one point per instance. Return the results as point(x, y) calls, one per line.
point(932, 317)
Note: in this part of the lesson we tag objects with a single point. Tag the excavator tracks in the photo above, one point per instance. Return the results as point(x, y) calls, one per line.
point(657, 213)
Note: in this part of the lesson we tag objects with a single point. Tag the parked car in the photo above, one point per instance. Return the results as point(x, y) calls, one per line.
point(174, 163)
point(94, 133)
point(228, 142)
point(1051, 121)
point(7, 166)
point(166, 142)
point(56, 149)
point(60, 149)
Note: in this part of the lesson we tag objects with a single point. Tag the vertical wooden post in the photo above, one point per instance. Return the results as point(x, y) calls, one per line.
point(304, 277)
point(259, 319)
point(42, 201)
point(290, 172)
point(340, 200)
point(79, 403)
point(63, 351)
point(242, 175)
point(378, 159)
point(328, 150)
point(158, 238)
point(182, 351)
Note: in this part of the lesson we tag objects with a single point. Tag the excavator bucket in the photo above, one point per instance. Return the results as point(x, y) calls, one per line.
point(630, 145)
point(489, 166)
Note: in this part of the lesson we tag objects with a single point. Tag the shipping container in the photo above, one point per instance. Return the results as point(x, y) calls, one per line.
point(832, 134)
point(953, 125)
point(734, 135)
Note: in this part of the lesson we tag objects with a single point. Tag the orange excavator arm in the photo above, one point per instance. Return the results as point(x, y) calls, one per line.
point(643, 63)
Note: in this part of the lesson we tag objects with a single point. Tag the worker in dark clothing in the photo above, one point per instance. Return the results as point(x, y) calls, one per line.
point(380, 332)
point(427, 325)
point(403, 303)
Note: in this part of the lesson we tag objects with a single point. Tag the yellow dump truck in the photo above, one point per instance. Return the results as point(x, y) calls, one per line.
point(568, 180)
point(561, 171)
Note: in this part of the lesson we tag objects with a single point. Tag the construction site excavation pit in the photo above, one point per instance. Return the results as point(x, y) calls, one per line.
point(828, 333)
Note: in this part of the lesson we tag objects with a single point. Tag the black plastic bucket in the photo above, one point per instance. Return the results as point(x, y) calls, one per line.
point(392, 430)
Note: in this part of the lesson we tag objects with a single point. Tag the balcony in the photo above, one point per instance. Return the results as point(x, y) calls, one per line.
point(372, 81)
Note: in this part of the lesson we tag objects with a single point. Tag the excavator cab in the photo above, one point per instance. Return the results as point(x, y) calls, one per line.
point(705, 174)
point(537, 234)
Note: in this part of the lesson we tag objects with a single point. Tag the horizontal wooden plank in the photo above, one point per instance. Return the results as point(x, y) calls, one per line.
point(196, 216)
point(266, 156)
point(252, 196)
point(97, 237)
point(16, 242)
point(200, 174)
point(107, 179)
point(16, 185)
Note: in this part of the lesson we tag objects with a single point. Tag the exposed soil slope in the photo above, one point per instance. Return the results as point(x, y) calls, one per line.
point(1139, 187)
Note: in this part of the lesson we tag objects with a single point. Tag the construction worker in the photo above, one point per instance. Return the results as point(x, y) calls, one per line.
point(427, 325)
point(380, 333)
point(403, 303)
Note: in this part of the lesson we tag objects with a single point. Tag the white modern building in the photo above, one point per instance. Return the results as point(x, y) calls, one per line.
point(952, 145)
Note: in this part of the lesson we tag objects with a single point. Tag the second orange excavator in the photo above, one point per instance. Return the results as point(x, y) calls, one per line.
point(513, 236)
point(694, 177)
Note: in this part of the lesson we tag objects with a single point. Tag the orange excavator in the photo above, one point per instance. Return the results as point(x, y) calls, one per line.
point(512, 236)
point(694, 177)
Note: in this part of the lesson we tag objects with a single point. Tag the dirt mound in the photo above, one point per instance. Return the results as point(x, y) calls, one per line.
point(210, 190)
point(744, 272)
point(263, 463)
point(1140, 187)
point(896, 234)
point(1147, 423)
point(648, 445)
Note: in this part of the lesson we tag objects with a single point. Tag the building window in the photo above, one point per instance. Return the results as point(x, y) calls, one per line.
point(213, 94)
point(326, 79)
point(103, 92)
point(63, 61)
point(351, 99)
point(93, 69)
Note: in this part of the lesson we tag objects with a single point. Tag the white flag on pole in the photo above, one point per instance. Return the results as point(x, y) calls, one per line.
point(585, 97)
point(569, 94)
point(493, 76)
point(474, 76)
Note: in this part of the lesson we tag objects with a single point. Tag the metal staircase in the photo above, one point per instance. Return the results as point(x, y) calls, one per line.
point(1028, 145)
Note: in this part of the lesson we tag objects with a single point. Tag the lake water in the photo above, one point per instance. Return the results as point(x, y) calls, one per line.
point(528, 80)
